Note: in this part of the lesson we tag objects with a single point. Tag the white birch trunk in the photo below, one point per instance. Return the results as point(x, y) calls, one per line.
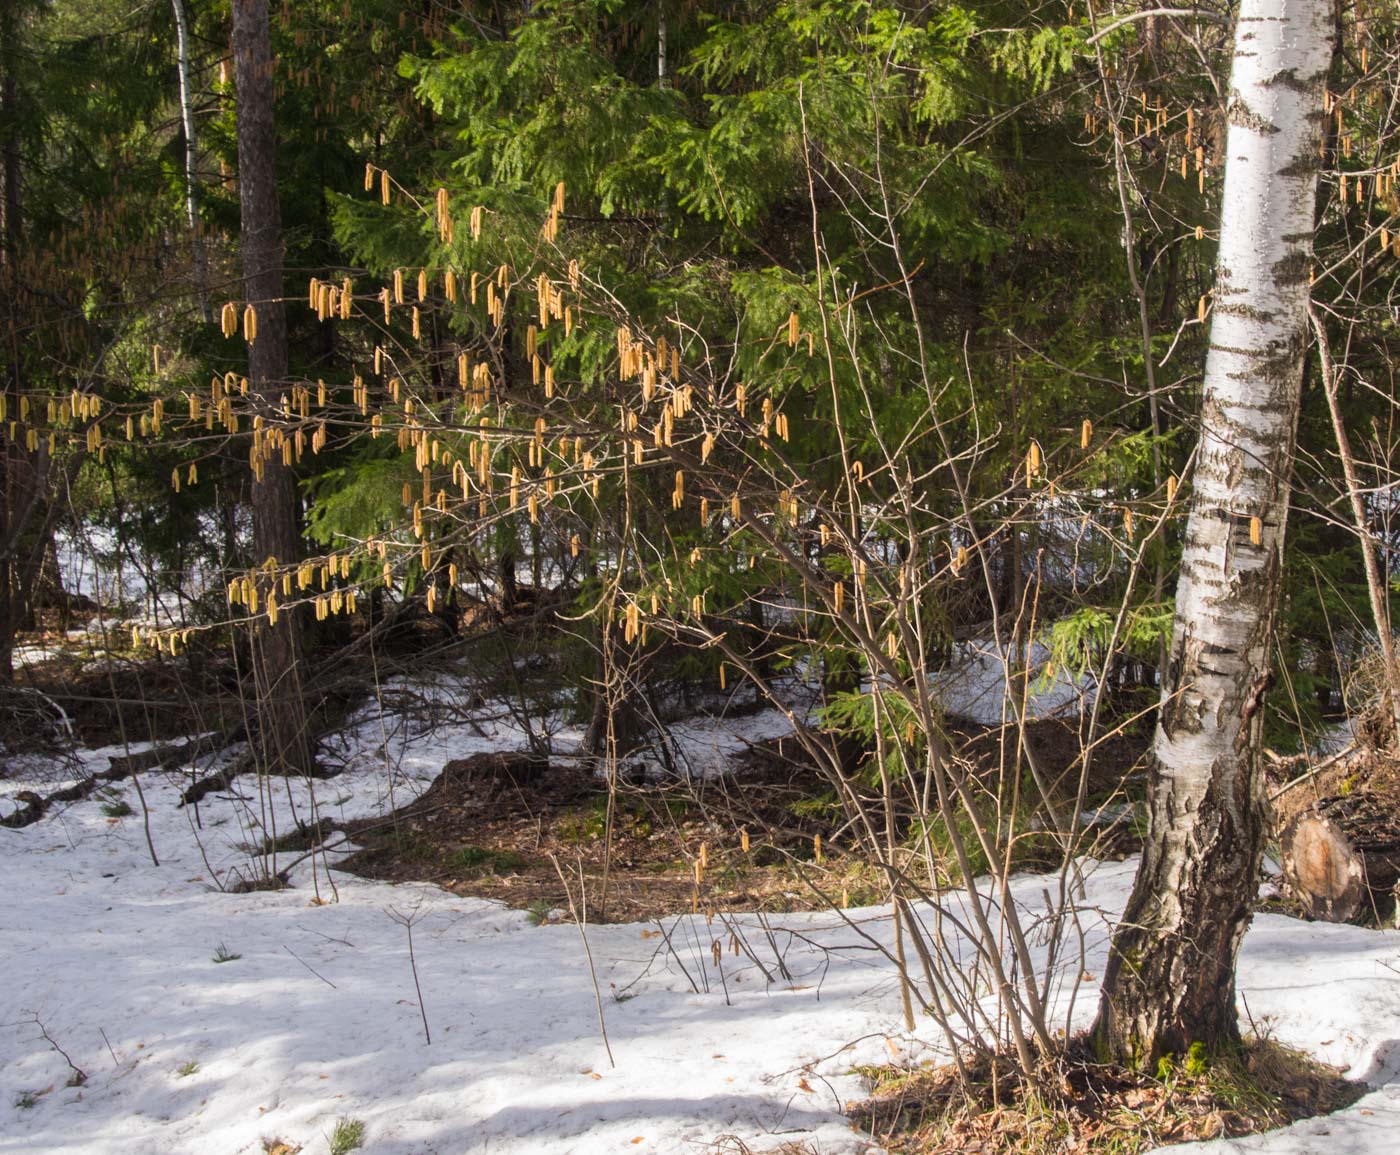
point(201, 275)
point(1170, 980)
point(662, 76)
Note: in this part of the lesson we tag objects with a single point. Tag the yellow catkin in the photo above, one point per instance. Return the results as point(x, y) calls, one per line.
point(1256, 531)
point(369, 177)
point(250, 324)
point(422, 284)
point(384, 185)
point(1086, 433)
point(444, 222)
point(1171, 488)
point(398, 286)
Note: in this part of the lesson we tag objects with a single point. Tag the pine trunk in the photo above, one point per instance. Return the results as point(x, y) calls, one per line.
point(1170, 979)
point(10, 226)
point(283, 737)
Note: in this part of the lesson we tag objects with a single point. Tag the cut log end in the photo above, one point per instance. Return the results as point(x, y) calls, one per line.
point(1323, 869)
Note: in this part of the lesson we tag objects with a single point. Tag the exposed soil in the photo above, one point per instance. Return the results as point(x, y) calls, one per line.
point(769, 836)
point(505, 828)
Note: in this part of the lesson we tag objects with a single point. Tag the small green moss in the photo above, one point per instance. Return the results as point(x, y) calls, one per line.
point(482, 860)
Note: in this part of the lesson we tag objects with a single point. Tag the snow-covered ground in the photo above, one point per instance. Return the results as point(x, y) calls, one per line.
point(318, 1017)
point(980, 679)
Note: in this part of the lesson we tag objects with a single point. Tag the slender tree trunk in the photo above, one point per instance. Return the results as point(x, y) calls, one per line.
point(285, 745)
point(1376, 586)
point(201, 273)
point(663, 78)
point(10, 227)
point(1170, 979)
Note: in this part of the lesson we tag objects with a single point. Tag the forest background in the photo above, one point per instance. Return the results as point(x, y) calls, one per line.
point(659, 355)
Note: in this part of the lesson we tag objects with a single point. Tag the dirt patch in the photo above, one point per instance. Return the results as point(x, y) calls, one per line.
point(770, 836)
point(495, 826)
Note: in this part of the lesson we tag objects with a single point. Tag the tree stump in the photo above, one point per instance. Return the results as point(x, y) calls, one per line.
point(1341, 856)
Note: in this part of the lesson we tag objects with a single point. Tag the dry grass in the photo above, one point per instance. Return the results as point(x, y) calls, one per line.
point(1081, 1107)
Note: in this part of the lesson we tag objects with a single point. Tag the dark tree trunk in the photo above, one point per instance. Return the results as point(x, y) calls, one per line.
point(277, 649)
point(9, 287)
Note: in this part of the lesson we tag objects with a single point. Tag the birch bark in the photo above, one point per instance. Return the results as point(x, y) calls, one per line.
point(201, 275)
point(1170, 980)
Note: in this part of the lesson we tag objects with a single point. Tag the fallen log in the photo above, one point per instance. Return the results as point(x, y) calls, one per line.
point(120, 767)
point(222, 780)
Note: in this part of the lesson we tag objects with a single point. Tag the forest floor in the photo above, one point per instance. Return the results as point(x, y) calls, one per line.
point(462, 1012)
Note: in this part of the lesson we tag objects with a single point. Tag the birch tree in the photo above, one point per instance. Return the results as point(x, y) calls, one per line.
point(182, 43)
point(1170, 980)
